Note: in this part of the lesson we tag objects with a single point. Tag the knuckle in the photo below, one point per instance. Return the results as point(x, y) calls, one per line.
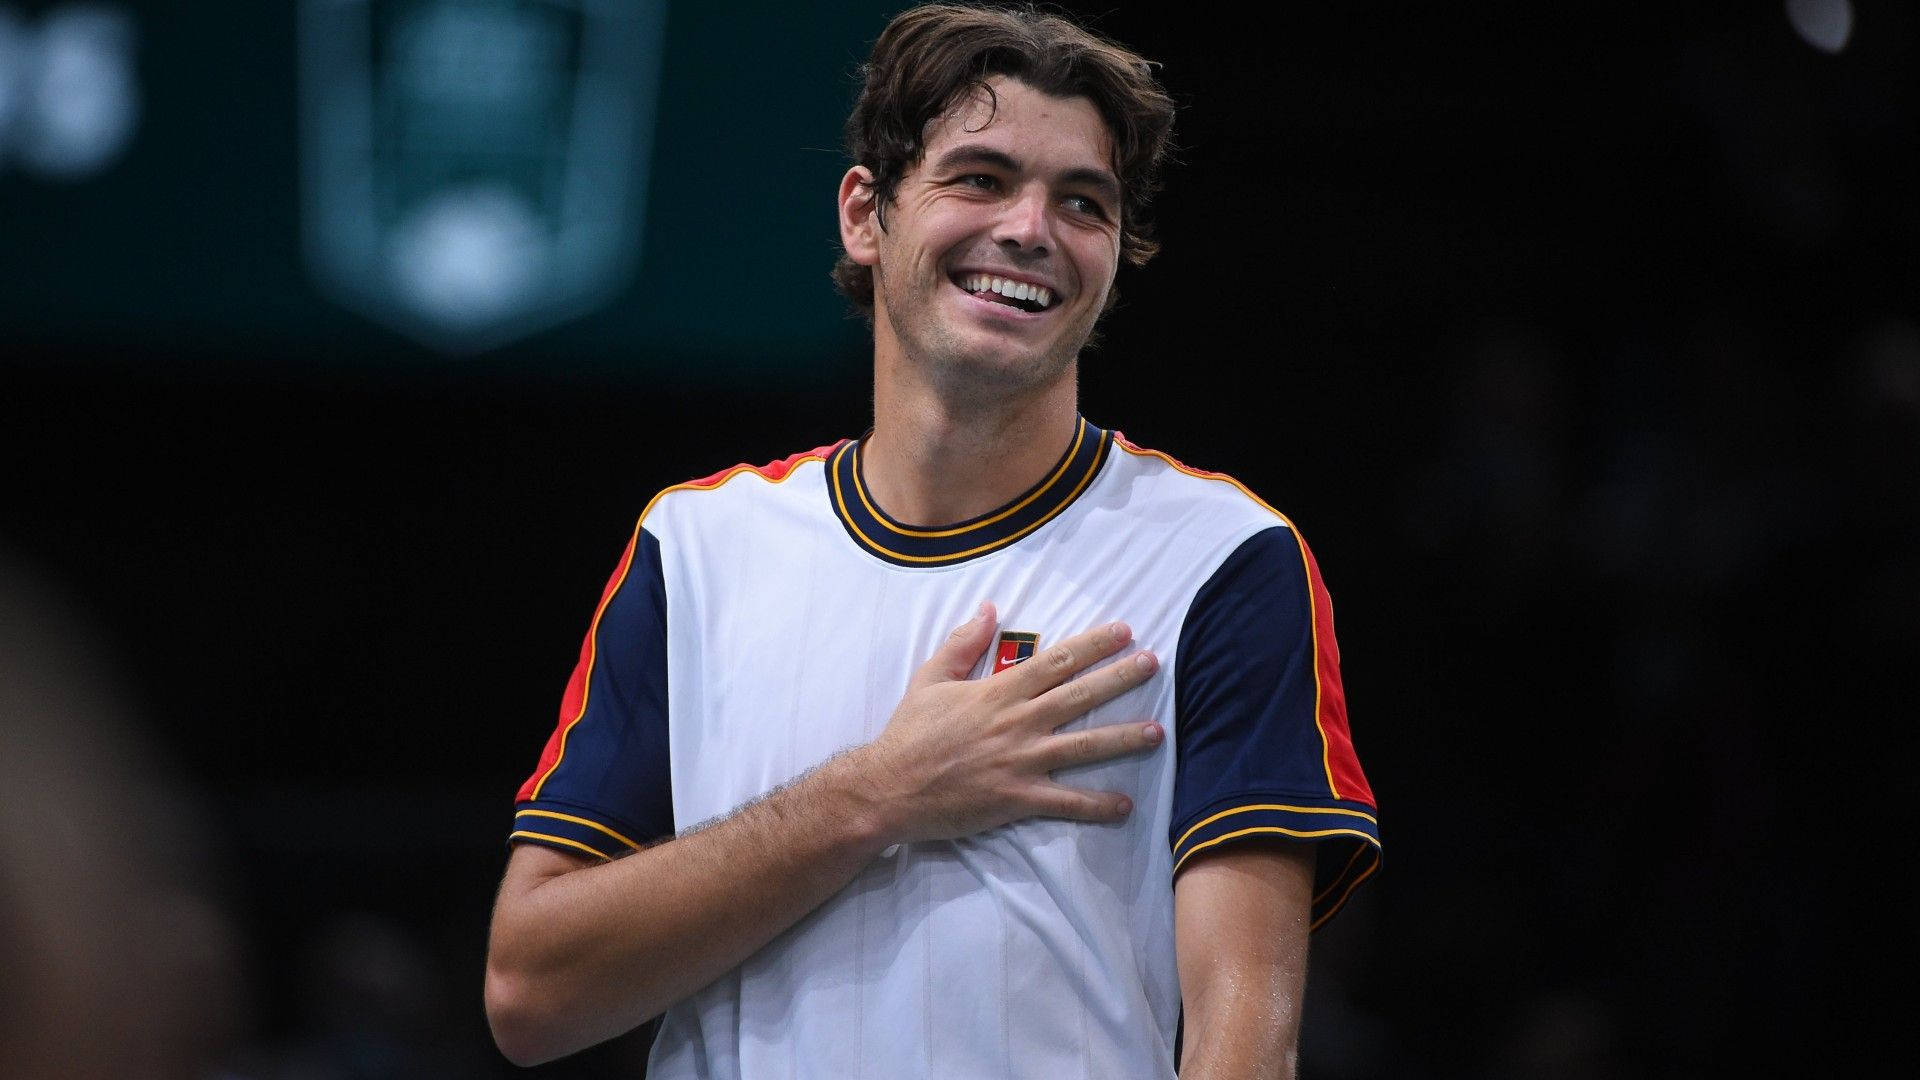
point(1060, 658)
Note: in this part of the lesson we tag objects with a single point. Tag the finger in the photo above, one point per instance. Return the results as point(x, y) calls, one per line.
point(1064, 704)
point(1055, 664)
point(1088, 745)
point(956, 656)
point(1078, 804)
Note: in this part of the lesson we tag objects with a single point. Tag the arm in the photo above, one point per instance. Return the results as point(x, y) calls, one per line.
point(1240, 936)
point(581, 951)
point(1273, 825)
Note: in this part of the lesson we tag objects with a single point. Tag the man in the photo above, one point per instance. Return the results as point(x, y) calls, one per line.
point(932, 804)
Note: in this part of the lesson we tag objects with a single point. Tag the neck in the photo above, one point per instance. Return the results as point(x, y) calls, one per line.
point(939, 458)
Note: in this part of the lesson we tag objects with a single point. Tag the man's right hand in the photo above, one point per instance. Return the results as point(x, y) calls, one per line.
point(961, 755)
point(581, 952)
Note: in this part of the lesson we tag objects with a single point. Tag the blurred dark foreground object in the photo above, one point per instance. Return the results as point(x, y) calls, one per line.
point(117, 961)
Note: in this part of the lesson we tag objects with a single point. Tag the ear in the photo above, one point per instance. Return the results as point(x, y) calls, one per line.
point(859, 225)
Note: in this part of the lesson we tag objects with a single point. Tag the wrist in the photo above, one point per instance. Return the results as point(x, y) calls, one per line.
point(869, 821)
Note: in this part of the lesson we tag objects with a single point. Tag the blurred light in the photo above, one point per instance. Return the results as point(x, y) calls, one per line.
point(12, 52)
point(474, 169)
point(1824, 24)
point(68, 96)
point(470, 256)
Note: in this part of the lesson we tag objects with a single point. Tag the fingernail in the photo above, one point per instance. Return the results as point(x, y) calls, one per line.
point(981, 611)
point(1126, 805)
point(1120, 632)
point(1145, 661)
point(1154, 732)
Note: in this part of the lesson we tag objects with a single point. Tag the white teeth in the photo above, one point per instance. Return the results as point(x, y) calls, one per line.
point(1014, 290)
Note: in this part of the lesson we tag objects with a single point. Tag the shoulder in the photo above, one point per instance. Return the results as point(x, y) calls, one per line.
point(1195, 498)
point(735, 485)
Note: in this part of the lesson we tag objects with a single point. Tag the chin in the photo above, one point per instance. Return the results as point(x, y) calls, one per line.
point(1002, 371)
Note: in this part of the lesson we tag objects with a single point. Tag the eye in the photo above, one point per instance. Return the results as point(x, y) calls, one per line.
point(980, 180)
point(1086, 204)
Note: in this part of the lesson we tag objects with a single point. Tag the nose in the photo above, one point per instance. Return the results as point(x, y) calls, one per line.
point(1025, 224)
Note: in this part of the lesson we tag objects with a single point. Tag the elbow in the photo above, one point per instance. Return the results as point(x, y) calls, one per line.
point(525, 1032)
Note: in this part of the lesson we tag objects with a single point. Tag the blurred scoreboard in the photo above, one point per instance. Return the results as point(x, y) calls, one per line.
point(581, 184)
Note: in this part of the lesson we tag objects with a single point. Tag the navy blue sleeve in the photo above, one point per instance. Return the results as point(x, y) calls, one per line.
point(603, 786)
point(1260, 720)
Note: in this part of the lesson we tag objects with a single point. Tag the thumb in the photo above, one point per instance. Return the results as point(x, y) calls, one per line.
point(957, 655)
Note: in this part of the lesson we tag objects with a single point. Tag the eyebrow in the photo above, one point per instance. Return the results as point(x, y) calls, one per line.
point(1100, 180)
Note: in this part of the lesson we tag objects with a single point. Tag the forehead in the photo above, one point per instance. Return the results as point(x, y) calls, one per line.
point(1017, 117)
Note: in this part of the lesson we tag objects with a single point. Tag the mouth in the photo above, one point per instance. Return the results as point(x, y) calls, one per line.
point(1020, 295)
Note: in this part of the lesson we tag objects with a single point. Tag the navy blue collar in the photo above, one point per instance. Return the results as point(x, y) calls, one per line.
point(905, 545)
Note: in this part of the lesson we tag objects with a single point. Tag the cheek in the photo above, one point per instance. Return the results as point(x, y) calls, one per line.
point(1098, 257)
point(942, 236)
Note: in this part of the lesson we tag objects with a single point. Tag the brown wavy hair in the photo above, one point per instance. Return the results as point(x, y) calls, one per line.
point(929, 57)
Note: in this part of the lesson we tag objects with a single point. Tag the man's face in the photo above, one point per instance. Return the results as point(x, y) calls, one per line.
point(1015, 196)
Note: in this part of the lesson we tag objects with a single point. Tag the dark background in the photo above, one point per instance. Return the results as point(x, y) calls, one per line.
point(1579, 340)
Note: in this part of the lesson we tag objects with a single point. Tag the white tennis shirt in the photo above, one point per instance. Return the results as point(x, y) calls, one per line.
point(763, 619)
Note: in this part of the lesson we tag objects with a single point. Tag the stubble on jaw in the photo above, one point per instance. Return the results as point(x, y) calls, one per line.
point(975, 383)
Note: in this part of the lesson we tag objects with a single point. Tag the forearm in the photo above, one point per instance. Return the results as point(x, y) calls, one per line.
point(577, 958)
point(1240, 925)
point(1247, 1036)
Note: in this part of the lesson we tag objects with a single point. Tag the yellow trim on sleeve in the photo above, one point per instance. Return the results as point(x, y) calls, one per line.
point(521, 834)
point(1334, 906)
point(1297, 834)
point(1359, 852)
point(1319, 900)
point(1361, 814)
point(577, 821)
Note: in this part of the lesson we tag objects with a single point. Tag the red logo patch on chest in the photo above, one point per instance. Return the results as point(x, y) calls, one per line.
point(1015, 646)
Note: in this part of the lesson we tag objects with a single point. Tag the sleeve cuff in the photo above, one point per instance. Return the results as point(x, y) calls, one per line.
point(569, 829)
point(1348, 832)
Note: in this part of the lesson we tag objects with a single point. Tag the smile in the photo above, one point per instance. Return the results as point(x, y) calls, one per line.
point(1018, 294)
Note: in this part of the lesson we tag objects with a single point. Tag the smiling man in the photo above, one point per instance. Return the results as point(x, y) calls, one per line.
point(1074, 781)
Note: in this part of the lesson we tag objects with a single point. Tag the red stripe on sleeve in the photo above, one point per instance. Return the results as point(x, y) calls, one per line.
point(774, 470)
point(1343, 765)
point(573, 703)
